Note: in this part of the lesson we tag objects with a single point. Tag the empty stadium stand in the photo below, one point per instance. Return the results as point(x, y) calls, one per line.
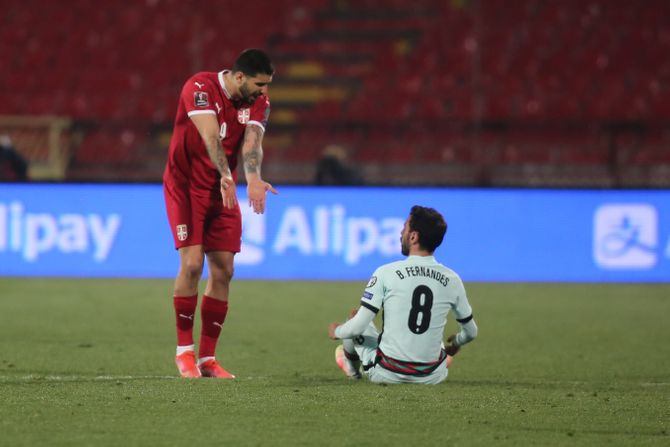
point(563, 93)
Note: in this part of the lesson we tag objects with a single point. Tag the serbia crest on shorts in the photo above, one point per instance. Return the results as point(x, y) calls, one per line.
point(182, 232)
point(243, 116)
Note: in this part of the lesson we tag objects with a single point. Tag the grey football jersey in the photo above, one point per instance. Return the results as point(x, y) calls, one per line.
point(415, 296)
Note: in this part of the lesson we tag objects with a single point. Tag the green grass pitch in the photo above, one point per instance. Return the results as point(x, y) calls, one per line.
point(90, 362)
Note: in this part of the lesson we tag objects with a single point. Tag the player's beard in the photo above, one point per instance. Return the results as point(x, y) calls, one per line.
point(247, 96)
point(404, 246)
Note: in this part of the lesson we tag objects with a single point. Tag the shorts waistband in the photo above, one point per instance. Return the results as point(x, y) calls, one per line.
point(409, 368)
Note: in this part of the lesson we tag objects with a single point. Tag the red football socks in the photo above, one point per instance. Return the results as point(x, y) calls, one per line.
point(184, 309)
point(213, 313)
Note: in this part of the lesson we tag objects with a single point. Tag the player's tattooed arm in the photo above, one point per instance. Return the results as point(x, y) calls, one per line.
point(227, 185)
point(218, 156)
point(208, 128)
point(252, 156)
point(252, 151)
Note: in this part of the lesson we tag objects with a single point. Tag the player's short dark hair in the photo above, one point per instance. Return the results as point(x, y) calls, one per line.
point(430, 225)
point(253, 61)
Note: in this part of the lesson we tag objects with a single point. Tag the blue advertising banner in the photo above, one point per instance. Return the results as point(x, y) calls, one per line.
point(345, 233)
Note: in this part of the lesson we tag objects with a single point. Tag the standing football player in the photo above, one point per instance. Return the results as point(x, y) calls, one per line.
point(416, 295)
point(220, 116)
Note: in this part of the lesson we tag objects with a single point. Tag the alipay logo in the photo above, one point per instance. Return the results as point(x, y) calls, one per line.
point(33, 235)
point(625, 236)
point(317, 231)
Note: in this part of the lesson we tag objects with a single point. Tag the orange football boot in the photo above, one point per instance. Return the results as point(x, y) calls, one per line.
point(348, 367)
point(211, 368)
point(187, 365)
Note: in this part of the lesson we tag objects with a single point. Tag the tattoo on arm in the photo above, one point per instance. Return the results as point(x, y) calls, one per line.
point(252, 152)
point(218, 156)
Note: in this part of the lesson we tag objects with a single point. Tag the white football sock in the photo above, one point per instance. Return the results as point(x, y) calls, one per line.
point(183, 349)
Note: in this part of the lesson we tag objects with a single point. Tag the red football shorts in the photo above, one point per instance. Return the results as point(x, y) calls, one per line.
point(196, 220)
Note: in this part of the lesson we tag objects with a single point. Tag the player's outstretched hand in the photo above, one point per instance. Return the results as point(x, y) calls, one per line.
point(451, 349)
point(228, 192)
point(256, 190)
point(331, 330)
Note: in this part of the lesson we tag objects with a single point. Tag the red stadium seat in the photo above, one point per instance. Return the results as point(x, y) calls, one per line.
point(487, 81)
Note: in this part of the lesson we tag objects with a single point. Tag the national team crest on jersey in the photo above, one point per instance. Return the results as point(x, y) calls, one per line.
point(201, 99)
point(182, 232)
point(243, 116)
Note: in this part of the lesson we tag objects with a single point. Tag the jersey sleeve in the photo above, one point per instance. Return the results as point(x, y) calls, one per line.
point(260, 112)
point(462, 308)
point(197, 95)
point(373, 295)
point(356, 326)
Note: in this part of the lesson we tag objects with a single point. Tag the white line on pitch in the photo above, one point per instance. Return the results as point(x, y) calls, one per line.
point(73, 378)
point(50, 378)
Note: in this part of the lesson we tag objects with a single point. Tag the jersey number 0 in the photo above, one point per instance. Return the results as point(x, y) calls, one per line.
point(420, 309)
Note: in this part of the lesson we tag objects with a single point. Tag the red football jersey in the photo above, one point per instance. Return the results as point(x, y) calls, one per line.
point(188, 160)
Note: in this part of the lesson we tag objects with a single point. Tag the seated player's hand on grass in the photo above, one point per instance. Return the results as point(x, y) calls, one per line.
point(452, 349)
point(331, 330)
point(256, 190)
point(228, 192)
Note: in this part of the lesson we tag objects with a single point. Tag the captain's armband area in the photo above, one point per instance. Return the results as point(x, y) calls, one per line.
point(370, 307)
point(464, 320)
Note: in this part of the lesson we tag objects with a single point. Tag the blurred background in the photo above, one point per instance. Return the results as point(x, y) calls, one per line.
point(551, 93)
